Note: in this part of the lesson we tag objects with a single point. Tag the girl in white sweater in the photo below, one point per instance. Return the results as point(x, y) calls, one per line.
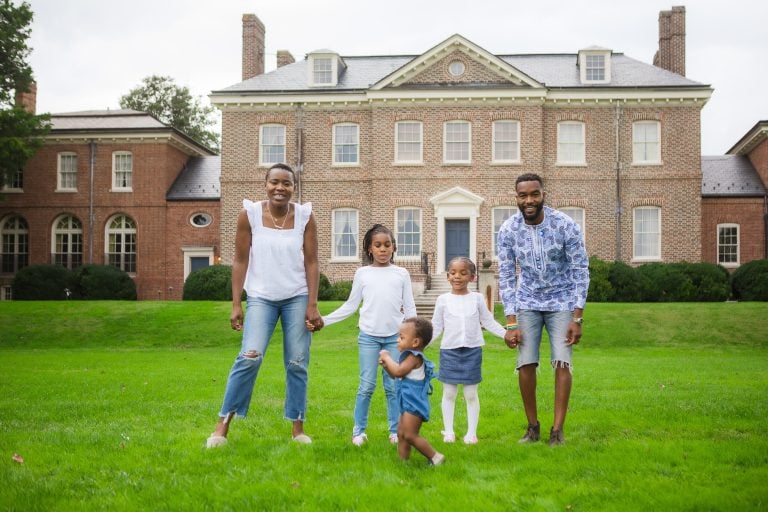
point(387, 297)
point(459, 316)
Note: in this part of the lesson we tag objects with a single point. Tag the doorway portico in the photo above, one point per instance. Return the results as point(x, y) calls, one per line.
point(455, 209)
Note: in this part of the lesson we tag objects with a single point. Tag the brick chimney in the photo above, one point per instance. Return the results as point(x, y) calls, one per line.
point(253, 46)
point(671, 54)
point(28, 99)
point(284, 58)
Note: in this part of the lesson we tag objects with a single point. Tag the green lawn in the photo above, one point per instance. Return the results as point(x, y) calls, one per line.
point(109, 404)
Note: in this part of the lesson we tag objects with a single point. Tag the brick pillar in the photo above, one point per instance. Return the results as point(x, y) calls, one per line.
point(253, 46)
point(28, 99)
point(284, 58)
point(671, 54)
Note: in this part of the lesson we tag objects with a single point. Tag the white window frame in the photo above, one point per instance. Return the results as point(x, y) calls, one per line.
point(262, 145)
point(420, 233)
point(580, 157)
point(355, 144)
point(123, 232)
point(335, 234)
point(66, 174)
point(313, 60)
point(514, 141)
point(729, 264)
point(117, 157)
point(467, 142)
point(14, 184)
point(6, 292)
point(585, 66)
point(73, 233)
point(398, 158)
point(640, 148)
point(578, 215)
point(195, 252)
point(635, 234)
point(496, 227)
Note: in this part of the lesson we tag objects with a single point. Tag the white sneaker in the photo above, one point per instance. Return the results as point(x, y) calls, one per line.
point(438, 459)
point(470, 439)
point(449, 437)
point(359, 440)
point(393, 438)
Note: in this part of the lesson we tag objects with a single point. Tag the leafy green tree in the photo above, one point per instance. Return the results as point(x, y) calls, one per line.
point(173, 104)
point(20, 131)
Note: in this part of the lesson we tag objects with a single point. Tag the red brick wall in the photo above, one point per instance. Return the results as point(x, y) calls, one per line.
point(162, 228)
point(747, 212)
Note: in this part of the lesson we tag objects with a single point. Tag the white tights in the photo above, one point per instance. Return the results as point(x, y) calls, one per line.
point(473, 407)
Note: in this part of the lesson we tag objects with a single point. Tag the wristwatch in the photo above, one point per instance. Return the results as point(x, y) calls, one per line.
point(579, 320)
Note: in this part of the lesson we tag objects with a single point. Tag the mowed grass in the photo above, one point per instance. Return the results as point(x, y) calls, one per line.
point(109, 404)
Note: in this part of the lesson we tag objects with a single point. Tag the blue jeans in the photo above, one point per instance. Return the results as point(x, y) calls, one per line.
point(531, 324)
point(260, 320)
point(369, 367)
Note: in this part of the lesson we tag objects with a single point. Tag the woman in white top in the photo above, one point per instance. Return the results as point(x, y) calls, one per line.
point(387, 297)
point(459, 316)
point(275, 262)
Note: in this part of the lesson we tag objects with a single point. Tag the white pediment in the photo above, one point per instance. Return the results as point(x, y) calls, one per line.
point(452, 44)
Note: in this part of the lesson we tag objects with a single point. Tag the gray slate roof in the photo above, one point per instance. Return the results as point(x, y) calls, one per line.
point(730, 176)
point(199, 180)
point(553, 70)
point(104, 120)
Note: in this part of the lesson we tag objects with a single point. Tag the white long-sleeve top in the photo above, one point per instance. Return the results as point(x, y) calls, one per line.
point(387, 299)
point(460, 318)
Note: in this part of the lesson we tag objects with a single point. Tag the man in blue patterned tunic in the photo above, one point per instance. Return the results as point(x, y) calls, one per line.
point(550, 291)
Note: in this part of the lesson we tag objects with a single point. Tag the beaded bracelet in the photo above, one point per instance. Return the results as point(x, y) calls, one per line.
point(511, 327)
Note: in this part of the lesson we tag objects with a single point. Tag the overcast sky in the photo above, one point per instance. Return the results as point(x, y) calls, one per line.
point(88, 53)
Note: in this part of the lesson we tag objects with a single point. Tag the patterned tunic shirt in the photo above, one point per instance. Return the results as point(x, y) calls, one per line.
point(554, 267)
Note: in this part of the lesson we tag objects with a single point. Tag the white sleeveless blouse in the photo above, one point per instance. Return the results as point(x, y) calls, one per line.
point(276, 263)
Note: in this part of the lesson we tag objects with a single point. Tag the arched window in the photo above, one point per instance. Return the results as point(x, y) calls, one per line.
point(121, 243)
point(15, 244)
point(67, 242)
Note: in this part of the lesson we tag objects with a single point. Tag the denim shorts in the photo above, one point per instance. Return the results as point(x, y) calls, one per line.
point(531, 325)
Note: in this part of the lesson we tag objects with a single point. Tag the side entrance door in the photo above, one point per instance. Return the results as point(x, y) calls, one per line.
point(456, 239)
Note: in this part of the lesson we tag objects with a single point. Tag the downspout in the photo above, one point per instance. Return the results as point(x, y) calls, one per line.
point(91, 219)
point(299, 148)
point(619, 208)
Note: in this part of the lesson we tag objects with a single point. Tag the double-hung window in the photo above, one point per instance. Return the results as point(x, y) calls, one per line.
point(645, 142)
point(570, 143)
point(728, 245)
point(122, 171)
point(646, 233)
point(500, 214)
point(408, 232)
point(271, 144)
point(506, 141)
point(67, 172)
point(346, 144)
point(345, 234)
point(577, 214)
point(408, 142)
point(457, 148)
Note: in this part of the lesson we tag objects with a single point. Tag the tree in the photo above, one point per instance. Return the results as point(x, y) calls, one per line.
point(20, 131)
point(174, 105)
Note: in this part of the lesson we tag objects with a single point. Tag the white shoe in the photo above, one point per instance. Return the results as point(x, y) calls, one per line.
point(449, 437)
point(470, 439)
point(393, 438)
point(302, 439)
point(359, 440)
point(214, 441)
point(438, 459)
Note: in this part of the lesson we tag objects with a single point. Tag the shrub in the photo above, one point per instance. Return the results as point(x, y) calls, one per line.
point(665, 282)
point(750, 281)
point(341, 290)
point(600, 289)
point(625, 283)
point(710, 282)
point(42, 282)
point(102, 282)
point(325, 291)
point(209, 283)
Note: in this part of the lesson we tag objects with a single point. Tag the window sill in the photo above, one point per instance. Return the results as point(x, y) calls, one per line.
point(408, 164)
point(457, 164)
point(355, 164)
point(66, 191)
point(570, 164)
point(646, 164)
point(344, 260)
point(121, 190)
point(646, 260)
point(12, 190)
point(500, 163)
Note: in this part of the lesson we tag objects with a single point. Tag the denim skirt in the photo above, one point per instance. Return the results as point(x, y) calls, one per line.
point(461, 365)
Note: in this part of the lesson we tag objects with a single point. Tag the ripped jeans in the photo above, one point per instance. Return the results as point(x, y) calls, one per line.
point(260, 320)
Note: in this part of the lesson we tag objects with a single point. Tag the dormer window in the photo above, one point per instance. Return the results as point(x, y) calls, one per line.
point(325, 67)
point(595, 65)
